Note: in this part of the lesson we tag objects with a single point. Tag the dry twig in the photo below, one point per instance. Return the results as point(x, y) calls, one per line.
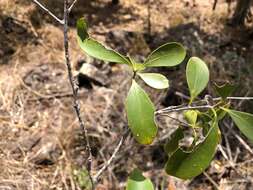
point(189, 107)
point(74, 87)
point(212, 181)
point(180, 108)
point(49, 12)
point(72, 81)
point(109, 161)
point(72, 5)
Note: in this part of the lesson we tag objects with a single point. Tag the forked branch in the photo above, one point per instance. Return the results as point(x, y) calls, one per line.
point(74, 87)
point(72, 81)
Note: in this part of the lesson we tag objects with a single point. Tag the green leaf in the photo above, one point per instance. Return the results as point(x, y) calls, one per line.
point(197, 75)
point(224, 90)
point(173, 143)
point(167, 55)
point(221, 113)
point(155, 80)
point(94, 48)
point(188, 165)
point(140, 114)
point(191, 116)
point(137, 181)
point(243, 120)
point(82, 29)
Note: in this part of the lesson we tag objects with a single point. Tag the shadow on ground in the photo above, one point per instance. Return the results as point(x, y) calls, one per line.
point(13, 35)
point(96, 12)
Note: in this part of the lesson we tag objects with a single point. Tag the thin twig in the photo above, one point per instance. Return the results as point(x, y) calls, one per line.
point(173, 109)
point(240, 98)
point(180, 94)
point(222, 152)
point(185, 107)
point(177, 120)
point(246, 146)
point(214, 4)
point(74, 87)
point(72, 5)
point(212, 181)
point(48, 11)
point(108, 163)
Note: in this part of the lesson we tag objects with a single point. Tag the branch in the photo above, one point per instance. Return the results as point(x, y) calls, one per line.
point(187, 107)
point(72, 5)
point(74, 87)
point(214, 4)
point(49, 12)
point(240, 98)
point(73, 84)
point(108, 163)
point(177, 120)
point(176, 109)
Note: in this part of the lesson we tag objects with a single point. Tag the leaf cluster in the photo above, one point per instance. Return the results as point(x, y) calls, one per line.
point(141, 112)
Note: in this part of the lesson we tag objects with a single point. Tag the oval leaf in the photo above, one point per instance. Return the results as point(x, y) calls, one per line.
point(191, 116)
point(172, 144)
point(224, 90)
point(137, 181)
point(197, 75)
point(244, 122)
point(94, 48)
point(167, 55)
point(188, 165)
point(155, 80)
point(140, 115)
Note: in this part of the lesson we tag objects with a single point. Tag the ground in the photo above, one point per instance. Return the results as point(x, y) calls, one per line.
point(41, 146)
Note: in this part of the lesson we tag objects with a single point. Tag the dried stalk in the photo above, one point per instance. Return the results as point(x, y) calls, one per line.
point(188, 107)
point(49, 12)
point(110, 160)
point(72, 81)
point(74, 87)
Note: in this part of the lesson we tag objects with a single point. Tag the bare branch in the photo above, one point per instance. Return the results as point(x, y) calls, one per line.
point(212, 181)
point(48, 11)
point(186, 107)
point(240, 98)
point(214, 4)
point(178, 120)
point(72, 5)
point(246, 146)
point(108, 163)
point(180, 94)
point(73, 84)
point(176, 109)
point(74, 87)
